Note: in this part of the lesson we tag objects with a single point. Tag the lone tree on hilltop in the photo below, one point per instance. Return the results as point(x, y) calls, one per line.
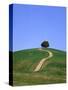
point(45, 44)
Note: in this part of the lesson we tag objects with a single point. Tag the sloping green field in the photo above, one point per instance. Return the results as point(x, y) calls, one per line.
point(52, 71)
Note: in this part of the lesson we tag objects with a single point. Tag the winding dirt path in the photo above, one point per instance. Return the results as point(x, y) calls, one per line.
point(38, 67)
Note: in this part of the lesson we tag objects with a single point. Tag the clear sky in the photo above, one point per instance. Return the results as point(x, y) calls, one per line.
point(33, 24)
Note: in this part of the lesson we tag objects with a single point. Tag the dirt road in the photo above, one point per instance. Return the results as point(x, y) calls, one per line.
point(38, 67)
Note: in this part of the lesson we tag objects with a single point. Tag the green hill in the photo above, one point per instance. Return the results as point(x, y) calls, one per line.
point(52, 71)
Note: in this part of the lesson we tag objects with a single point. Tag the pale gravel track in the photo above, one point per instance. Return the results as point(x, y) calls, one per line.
point(38, 67)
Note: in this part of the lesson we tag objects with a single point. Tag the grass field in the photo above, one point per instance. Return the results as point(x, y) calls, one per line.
point(52, 71)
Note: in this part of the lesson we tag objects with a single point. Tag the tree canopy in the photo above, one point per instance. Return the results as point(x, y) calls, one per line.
point(45, 44)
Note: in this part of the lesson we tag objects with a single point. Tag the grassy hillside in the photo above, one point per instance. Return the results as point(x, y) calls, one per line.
point(52, 71)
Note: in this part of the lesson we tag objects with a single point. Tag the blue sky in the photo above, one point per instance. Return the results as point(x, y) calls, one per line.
point(33, 24)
